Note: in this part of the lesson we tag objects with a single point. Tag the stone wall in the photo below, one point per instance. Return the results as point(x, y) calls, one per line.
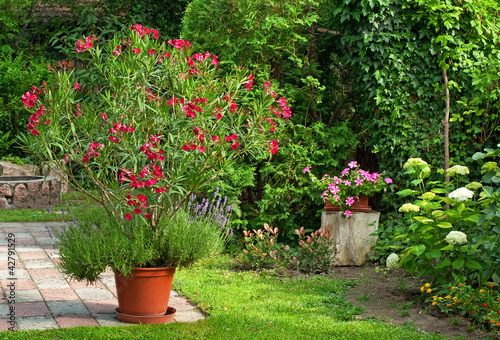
point(11, 169)
point(27, 192)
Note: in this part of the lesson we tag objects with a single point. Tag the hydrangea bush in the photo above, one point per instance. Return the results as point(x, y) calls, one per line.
point(445, 231)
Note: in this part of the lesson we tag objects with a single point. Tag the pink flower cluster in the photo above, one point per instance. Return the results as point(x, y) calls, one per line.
point(149, 177)
point(250, 83)
point(29, 99)
point(143, 31)
point(83, 45)
point(179, 43)
point(283, 109)
point(118, 129)
point(274, 146)
point(190, 108)
point(93, 151)
point(200, 139)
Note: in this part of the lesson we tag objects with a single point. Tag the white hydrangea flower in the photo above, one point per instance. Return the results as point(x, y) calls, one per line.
point(429, 196)
point(413, 162)
point(457, 170)
point(426, 172)
point(409, 207)
point(456, 238)
point(474, 186)
point(461, 194)
point(392, 261)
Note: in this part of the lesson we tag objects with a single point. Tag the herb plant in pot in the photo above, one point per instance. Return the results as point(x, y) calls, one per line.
point(154, 125)
point(350, 190)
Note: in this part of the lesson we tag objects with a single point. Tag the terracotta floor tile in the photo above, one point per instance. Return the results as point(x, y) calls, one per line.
point(19, 284)
point(18, 264)
point(25, 309)
point(101, 306)
point(33, 255)
point(44, 273)
point(74, 321)
point(4, 325)
point(25, 241)
point(40, 233)
point(59, 295)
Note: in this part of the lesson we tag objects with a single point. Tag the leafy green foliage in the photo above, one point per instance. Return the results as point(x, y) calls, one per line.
point(451, 229)
point(277, 40)
point(16, 73)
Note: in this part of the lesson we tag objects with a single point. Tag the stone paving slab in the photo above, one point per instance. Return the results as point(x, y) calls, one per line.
point(45, 298)
point(67, 307)
point(38, 322)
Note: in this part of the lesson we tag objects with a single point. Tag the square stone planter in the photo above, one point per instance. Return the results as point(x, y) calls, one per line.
point(352, 235)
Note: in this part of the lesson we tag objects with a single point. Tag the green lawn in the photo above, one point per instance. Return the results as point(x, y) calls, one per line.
point(249, 305)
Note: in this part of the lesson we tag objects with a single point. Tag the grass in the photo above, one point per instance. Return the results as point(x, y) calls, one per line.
point(249, 305)
point(78, 206)
point(239, 304)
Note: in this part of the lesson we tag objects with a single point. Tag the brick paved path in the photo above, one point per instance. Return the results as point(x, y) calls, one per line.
point(45, 298)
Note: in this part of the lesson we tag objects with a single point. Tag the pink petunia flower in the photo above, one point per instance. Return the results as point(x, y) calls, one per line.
point(388, 180)
point(349, 201)
point(306, 169)
point(353, 164)
point(347, 213)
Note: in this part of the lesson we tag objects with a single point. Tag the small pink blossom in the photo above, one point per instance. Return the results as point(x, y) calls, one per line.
point(344, 172)
point(347, 213)
point(388, 180)
point(349, 201)
point(348, 183)
point(306, 169)
point(136, 50)
point(353, 164)
point(151, 52)
point(77, 87)
point(359, 181)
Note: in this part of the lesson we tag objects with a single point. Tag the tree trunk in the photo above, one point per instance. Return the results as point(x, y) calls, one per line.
point(446, 125)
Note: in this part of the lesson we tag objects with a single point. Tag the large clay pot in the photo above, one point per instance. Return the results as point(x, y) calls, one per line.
point(360, 204)
point(143, 296)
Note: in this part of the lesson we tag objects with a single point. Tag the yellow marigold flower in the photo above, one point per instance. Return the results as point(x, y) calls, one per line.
point(434, 297)
point(452, 287)
point(422, 289)
point(448, 305)
point(481, 291)
point(447, 297)
point(434, 303)
point(455, 298)
point(428, 290)
point(440, 298)
point(427, 285)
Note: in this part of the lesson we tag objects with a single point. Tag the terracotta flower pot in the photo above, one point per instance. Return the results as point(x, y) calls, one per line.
point(143, 296)
point(360, 204)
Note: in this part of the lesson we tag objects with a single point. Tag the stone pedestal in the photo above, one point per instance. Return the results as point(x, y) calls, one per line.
point(352, 235)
